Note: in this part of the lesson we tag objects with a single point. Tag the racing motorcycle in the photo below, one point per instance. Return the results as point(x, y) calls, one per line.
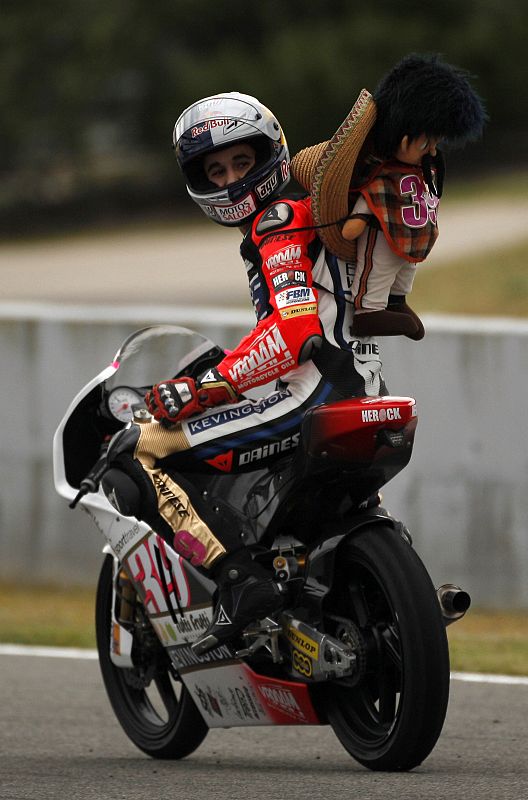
point(361, 644)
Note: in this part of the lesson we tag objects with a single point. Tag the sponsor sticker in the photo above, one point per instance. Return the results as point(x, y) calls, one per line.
point(209, 210)
point(267, 450)
point(225, 694)
point(286, 255)
point(237, 211)
point(283, 700)
point(302, 664)
point(209, 701)
point(239, 411)
point(127, 538)
point(279, 237)
point(185, 657)
point(303, 643)
point(292, 297)
point(266, 188)
point(290, 277)
point(380, 414)
point(267, 375)
point(209, 125)
point(364, 348)
point(298, 311)
point(268, 352)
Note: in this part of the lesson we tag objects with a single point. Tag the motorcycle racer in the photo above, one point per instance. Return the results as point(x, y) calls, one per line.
point(235, 160)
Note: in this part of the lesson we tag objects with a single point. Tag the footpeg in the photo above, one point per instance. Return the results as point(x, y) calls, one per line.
point(265, 634)
point(203, 646)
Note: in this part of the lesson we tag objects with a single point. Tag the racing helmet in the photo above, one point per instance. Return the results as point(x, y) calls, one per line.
point(221, 121)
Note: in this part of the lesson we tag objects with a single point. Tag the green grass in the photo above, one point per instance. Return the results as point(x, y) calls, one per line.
point(490, 641)
point(501, 185)
point(494, 283)
point(47, 616)
point(484, 641)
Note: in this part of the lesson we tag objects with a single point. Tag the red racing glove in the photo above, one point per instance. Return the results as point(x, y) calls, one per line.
point(174, 400)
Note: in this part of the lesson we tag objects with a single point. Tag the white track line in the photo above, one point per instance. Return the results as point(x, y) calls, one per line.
point(48, 652)
point(91, 655)
point(482, 677)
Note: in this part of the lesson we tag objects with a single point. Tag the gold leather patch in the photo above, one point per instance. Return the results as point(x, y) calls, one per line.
point(155, 442)
point(192, 537)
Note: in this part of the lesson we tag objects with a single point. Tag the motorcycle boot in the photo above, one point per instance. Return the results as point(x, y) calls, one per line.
point(246, 592)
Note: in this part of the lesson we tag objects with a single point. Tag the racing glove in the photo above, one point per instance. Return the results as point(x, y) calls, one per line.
point(176, 399)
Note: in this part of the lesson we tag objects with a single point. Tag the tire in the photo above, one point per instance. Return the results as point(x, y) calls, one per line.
point(161, 717)
point(392, 717)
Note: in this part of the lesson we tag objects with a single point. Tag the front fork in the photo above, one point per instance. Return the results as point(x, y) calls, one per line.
point(123, 606)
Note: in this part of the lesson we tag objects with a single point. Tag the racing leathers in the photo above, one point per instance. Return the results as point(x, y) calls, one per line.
point(302, 344)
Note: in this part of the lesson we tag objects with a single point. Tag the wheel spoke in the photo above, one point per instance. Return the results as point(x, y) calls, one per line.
point(388, 688)
point(167, 693)
point(391, 647)
point(358, 609)
point(373, 705)
point(376, 713)
point(153, 708)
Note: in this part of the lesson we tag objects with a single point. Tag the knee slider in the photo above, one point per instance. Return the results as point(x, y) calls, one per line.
point(125, 482)
point(122, 492)
point(124, 442)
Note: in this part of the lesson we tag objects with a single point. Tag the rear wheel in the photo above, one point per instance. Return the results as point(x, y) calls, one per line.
point(154, 709)
point(392, 717)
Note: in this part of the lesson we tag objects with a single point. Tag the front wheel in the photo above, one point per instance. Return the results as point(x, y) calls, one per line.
point(392, 718)
point(154, 709)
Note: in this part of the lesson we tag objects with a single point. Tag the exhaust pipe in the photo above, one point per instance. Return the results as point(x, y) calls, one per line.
point(454, 602)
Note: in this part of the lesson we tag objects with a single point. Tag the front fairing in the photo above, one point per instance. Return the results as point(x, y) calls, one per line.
point(146, 357)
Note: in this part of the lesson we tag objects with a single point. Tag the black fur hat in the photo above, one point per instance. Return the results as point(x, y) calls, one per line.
point(423, 94)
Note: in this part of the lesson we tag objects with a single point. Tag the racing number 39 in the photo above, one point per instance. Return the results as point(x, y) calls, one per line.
point(423, 206)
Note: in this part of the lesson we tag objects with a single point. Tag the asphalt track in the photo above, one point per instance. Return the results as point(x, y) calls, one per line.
point(59, 739)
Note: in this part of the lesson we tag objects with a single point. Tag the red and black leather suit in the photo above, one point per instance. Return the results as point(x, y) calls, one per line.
point(302, 344)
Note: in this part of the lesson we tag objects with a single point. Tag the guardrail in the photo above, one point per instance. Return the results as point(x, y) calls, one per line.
point(464, 495)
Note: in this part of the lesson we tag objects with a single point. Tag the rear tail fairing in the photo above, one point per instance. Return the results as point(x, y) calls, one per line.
point(348, 451)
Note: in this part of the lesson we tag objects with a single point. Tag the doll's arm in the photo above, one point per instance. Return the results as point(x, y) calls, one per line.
point(353, 228)
point(357, 221)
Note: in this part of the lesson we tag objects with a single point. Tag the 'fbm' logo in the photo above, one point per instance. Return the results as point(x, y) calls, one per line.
point(298, 295)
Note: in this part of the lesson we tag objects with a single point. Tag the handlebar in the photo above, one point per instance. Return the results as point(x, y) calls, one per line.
point(91, 482)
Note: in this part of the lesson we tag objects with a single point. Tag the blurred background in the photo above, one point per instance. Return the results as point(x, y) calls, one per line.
point(90, 90)
point(98, 237)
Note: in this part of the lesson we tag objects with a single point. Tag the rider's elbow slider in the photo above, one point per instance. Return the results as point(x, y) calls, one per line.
point(309, 348)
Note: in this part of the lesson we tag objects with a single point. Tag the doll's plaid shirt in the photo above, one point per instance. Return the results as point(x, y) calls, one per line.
point(405, 208)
